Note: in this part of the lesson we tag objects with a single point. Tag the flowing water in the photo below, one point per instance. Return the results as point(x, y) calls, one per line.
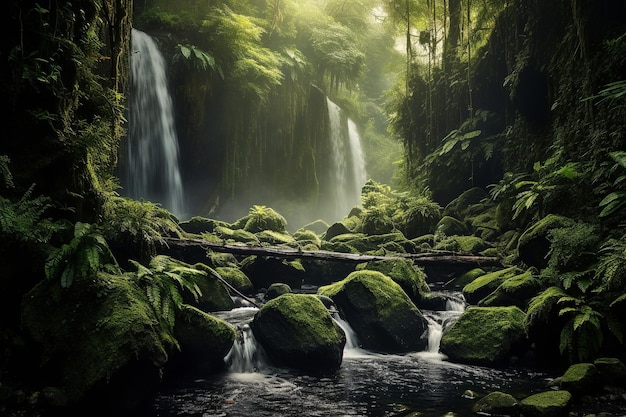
point(348, 163)
point(367, 383)
point(151, 162)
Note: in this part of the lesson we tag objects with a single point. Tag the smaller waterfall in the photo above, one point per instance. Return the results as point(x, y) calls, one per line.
point(246, 355)
point(151, 165)
point(352, 341)
point(439, 320)
point(348, 174)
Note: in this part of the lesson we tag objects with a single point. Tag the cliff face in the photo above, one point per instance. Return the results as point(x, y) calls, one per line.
point(65, 68)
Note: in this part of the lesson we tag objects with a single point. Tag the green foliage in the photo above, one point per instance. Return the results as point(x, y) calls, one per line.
point(264, 218)
point(582, 335)
point(146, 223)
point(164, 280)
point(85, 255)
point(23, 220)
point(615, 201)
point(196, 58)
point(611, 269)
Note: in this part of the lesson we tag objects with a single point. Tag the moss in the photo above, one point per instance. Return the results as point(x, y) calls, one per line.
point(236, 277)
point(449, 226)
point(516, 291)
point(262, 218)
point(307, 236)
point(485, 335)
point(92, 329)
point(465, 244)
point(275, 238)
point(198, 225)
point(484, 285)
point(533, 245)
point(460, 205)
point(580, 378)
point(236, 235)
point(214, 295)
point(336, 229)
point(276, 290)
point(411, 278)
point(496, 403)
point(318, 227)
point(546, 404)
point(199, 332)
point(465, 278)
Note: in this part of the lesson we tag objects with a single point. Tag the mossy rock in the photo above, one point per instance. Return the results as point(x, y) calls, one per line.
point(379, 311)
point(459, 206)
point(514, 291)
point(221, 259)
point(487, 336)
point(376, 223)
point(533, 245)
point(204, 341)
point(450, 226)
point(317, 226)
point(264, 271)
point(101, 333)
point(297, 331)
point(198, 225)
point(214, 295)
point(275, 238)
point(464, 244)
point(424, 240)
point(353, 222)
point(338, 247)
point(484, 285)
point(465, 278)
point(307, 236)
point(237, 278)
point(236, 235)
point(612, 371)
point(410, 277)
point(276, 290)
point(546, 404)
point(580, 379)
point(497, 404)
point(336, 229)
point(485, 226)
point(261, 218)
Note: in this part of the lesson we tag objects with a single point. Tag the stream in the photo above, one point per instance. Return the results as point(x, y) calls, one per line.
point(372, 384)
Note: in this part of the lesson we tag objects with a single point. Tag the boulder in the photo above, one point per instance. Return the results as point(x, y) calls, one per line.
point(580, 379)
point(450, 226)
point(261, 218)
point(410, 277)
point(99, 339)
point(379, 311)
point(276, 290)
point(204, 341)
point(533, 245)
point(488, 336)
point(612, 371)
point(497, 404)
point(546, 404)
point(514, 291)
point(336, 229)
point(297, 331)
point(264, 271)
point(485, 284)
point(460, 206)
point(237, 278)
point(464, 244)
point(214, 295)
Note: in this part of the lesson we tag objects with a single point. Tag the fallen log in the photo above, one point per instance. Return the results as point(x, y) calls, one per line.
point(180, 246)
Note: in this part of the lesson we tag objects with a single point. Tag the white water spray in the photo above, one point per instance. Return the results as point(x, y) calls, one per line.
point(348, 170)
point(246, 355)
point(152, 162)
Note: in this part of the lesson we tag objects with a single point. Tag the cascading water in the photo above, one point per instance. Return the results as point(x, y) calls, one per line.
point(246, 355)
point(348, 170)
point(151, 167)
point(438, 320)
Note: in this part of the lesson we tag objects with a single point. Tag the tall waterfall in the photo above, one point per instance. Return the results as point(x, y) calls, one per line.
point(151, 167)
point(348, 170)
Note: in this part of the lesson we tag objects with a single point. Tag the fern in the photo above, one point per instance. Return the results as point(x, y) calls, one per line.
point(582, 336)
point(611, 270)
point(86, 254)
point(164, 280)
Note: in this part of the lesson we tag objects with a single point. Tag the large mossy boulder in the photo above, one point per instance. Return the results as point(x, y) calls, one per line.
point(546, 404)
point(236, 278)
point(214, 295)
point(410, 277)
point(262, 218)
point(99, 338)
point(484, 285)
point(379, 311)
point(533, 245)
point(461, 205)
point(450, 226)
point(488, 336)
point(464, 244)
point(336, 229)
point(580, 379)
point(297, 331)
point(204, 341)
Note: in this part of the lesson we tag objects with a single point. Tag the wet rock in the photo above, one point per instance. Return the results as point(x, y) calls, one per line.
point(276, 290)
point(546, 404)
point(379, 311)
point(297, 331)
point(411, 278)
point(485, 284)
point(487, 336)
point(497, 404)
point(514, 291)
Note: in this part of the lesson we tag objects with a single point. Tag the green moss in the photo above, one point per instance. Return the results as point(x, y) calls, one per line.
point(197, 330)
point(496, 403)
point(264, 218)
point(466, 244)
point(548, 404)
point(275, 238)
point(449, 226)
point(411, 278)
point(307, 236)
point(484, 285)
point(236, 235)
point(516, 290)
point(236, 277)
point(465, 278)
point(534, 245)
point(306, 316)
point(377, 290)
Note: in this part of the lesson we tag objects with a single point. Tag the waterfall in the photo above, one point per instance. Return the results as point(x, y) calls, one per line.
point(439, 320)
point(152, 162)
point(352, 342)
point(246, 355)
point(348, 173)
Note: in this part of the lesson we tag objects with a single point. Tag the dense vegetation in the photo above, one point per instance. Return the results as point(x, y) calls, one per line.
point(517, 107)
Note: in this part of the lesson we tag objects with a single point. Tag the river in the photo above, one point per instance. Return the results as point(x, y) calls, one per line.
point(421, 384)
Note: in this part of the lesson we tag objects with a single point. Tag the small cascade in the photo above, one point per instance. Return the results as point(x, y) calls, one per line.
point(151, 164)
point(348, 163)
point(352, 342)
point(435, 331)
point(439, 320)
point(246, 355)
